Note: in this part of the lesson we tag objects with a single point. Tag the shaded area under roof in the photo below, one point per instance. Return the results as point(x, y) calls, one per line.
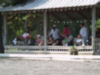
point(50, 4)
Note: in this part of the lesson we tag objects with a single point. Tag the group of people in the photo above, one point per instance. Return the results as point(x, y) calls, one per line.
point(26, 35)
point(66, 38)
point(56, 38)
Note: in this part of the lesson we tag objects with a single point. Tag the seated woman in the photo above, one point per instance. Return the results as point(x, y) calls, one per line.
point(26, 35)
point(65, 41)
point(38, 39)
point(68, 41)
point(71, 40)
point(50, 41)
point(30, 40)
point(59, 41)
point(79, 41)
point(23, 38)
point(41, 43)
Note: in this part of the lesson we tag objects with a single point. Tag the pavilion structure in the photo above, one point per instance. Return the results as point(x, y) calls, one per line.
point(74, 9)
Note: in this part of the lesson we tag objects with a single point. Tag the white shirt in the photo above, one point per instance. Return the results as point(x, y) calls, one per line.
point(84, 32)
point(79, 40)
point(55, 33)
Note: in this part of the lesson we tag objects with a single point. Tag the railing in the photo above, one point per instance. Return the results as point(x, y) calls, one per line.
point(83, 49)
point(49, 48)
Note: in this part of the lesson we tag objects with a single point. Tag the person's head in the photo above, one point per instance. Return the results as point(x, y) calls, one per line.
point(38, 36)
point(79, 36)
point(54, 26)
point(81, 25)
point(50, 38)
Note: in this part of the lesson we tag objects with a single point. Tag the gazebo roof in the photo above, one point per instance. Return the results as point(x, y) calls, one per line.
point(51, 4)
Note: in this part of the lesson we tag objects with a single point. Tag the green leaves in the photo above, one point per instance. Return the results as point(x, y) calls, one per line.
point(11, 2)
point(5, 2)
point(98, 23)
point(15, 2)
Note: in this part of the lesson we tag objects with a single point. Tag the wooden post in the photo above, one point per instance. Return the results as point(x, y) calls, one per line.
point(45, 29)
point(5, 29)
point(1, 41)
point(93, 26)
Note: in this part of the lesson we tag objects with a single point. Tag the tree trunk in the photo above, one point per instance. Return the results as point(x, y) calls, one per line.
point(1, 41)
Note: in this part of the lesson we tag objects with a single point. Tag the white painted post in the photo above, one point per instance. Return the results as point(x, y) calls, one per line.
point(5, 29)
point(93, 26)
point(45, 29)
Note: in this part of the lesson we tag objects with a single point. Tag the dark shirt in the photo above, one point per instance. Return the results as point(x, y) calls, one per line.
point(59, 41)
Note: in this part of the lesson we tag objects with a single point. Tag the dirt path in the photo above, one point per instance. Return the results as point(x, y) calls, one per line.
point(31, 67)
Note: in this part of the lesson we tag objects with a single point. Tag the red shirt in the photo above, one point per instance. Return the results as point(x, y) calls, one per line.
point(66, 31)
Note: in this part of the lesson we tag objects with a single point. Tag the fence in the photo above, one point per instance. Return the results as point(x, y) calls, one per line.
point(83, 49)
point(49, 48)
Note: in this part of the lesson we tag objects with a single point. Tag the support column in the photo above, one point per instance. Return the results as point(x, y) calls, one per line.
point(5, 29)
point(93, 26)
point(1, 38)
point(45, 29)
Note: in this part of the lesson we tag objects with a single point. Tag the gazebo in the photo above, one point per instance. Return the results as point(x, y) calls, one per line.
point(87, 9)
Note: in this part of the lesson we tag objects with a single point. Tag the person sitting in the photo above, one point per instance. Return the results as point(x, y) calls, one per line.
point(26, 35)
point(71, 40)
point(30, 40)
point(68, 41)
point(50, 41)
point(21, 38)
point(65, 41)
point(41, 43)
point(59, 41)
point(38, 39)
point(79, 41)
point(14, 41)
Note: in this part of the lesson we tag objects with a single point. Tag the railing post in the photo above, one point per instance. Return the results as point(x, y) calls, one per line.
point(93, 26)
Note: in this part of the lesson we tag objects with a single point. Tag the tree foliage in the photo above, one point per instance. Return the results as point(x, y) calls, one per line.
point(15, 2)
point(2, 4)
point(11, 2)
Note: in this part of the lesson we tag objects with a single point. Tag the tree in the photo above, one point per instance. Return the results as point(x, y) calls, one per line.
point(2, 4)
point(5, 3)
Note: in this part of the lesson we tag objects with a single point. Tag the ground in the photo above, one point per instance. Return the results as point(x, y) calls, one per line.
point(32, 67)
